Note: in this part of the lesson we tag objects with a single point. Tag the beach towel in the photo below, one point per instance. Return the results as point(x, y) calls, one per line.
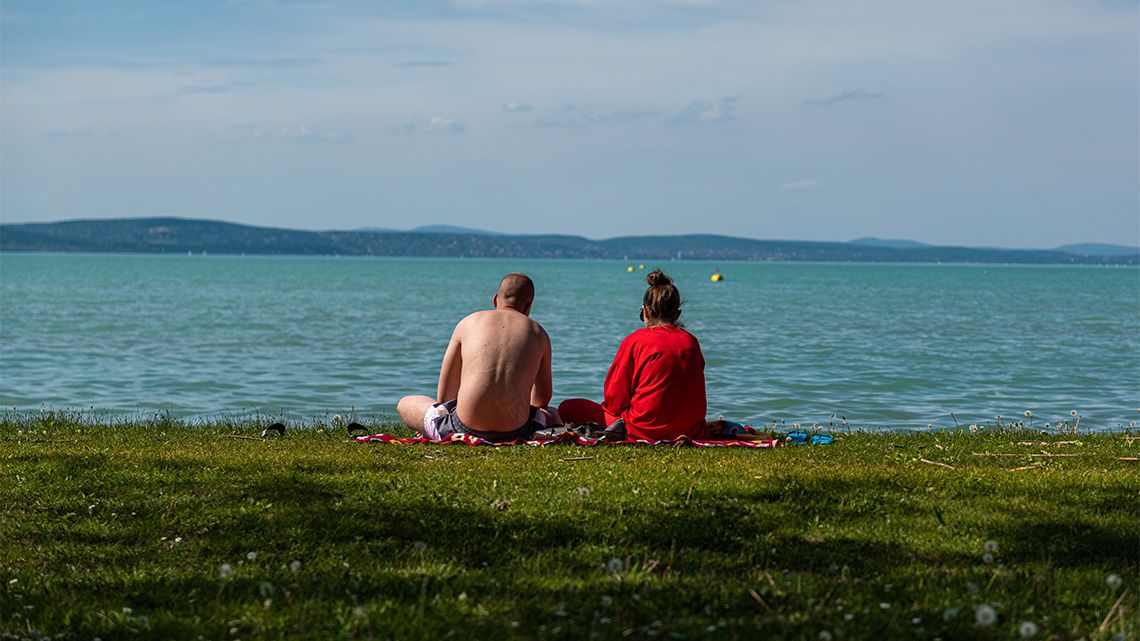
point(569, 438)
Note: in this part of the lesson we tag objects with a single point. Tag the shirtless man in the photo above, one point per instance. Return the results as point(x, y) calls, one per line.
point(495, 381)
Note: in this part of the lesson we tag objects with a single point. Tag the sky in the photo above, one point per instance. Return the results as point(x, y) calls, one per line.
point(957, 122)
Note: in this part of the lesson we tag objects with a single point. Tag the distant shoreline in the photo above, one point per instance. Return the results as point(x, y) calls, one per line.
point(187, 236)
point(616, 261)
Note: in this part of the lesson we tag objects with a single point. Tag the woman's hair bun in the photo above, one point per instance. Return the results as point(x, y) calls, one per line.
point(658, 277)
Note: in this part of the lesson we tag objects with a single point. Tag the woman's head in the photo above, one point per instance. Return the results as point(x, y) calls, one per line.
point(662, 301)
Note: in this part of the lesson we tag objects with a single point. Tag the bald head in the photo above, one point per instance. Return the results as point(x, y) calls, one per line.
point(517, 291)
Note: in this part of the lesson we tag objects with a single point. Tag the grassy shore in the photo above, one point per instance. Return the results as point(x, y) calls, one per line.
point(162, 530)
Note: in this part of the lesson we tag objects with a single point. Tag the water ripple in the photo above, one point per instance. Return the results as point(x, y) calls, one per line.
point(881, 345)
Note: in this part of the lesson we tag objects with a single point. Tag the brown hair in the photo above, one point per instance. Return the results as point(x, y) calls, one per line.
point(662, 299)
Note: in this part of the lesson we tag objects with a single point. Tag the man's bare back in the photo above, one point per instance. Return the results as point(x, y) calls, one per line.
point(495, 370)
point(493, 367)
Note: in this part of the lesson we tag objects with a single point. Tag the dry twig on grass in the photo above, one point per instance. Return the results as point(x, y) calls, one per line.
point(945, 465)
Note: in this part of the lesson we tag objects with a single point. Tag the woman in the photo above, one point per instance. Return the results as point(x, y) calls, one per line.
point(657, 380)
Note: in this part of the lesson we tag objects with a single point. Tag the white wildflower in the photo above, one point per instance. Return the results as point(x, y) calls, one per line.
point(1028, 414)
point(824, 635)
point(295, 567)
point(1113, 581)
point(225, 570)
point(607, 600)
point(614, 565)
point(1027, 629)
point(177, 539)
point(991, 546)
point(419, 546)
point(1073, 413)
point(884, 606)
point(359, 614)
point(251, 556)
point(988, 558)
point(949, 614)
point(985, 615)
point(583, 491)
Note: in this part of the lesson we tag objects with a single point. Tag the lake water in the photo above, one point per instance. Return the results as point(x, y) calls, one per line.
point(884, 345)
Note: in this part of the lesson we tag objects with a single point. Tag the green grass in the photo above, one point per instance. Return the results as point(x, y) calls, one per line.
point(121, 531)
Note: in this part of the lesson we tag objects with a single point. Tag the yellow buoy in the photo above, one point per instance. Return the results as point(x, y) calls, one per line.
point(716, 277)
point(629, 269)
point(641, 266)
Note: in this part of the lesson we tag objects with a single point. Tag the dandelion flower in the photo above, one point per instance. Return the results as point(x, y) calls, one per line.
point(614, 565)
point(251, 556)
point(225, 570)
point(295, 566)
point(991, 546)
point(848, 617)
point(985, 615)
point(1073, 413)
point(949, 614)
point(884, 606)
point(607, 600)
point(988, 558)
point(359, 614)
point(583, 491)
point(824, 635)
point(1027, 629)
point(1113, 581)
point(1028, 414)
point(420, 546)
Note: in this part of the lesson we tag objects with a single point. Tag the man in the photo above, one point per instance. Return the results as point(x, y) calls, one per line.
point(495, 381)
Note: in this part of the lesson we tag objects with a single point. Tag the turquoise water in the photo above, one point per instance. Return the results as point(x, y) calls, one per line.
point(883, 345)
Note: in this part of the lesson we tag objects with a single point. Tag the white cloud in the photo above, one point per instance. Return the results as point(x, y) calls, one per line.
point(297, 133)
point(707, 113)
point(435, 123)
point(515, 105)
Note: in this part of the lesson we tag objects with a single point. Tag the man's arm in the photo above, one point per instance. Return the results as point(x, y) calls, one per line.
point(543, 389)
point(450, 370)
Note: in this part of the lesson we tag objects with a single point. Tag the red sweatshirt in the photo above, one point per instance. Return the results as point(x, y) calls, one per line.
point(657, 384)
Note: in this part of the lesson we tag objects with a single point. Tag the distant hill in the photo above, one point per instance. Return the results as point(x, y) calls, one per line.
point(1099, 249)
point(181, 235)
point(434, 229)
point(871, 241)
point(452, 229)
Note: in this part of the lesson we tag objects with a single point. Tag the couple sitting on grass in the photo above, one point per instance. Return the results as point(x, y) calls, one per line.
point(495, 382)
